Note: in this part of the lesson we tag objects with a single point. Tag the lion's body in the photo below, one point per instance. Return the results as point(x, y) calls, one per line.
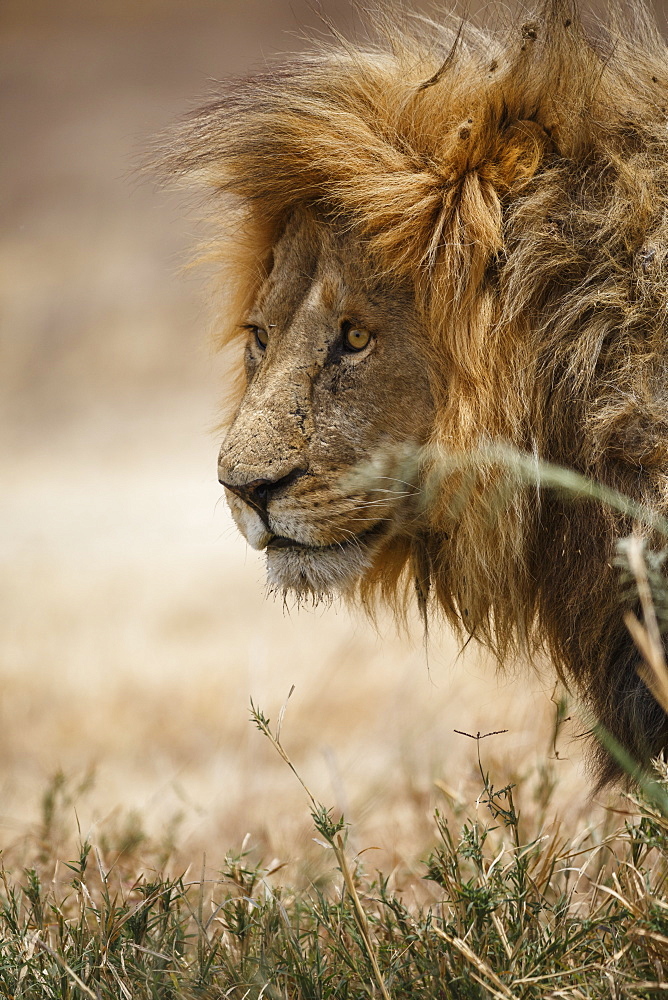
point(514, 192)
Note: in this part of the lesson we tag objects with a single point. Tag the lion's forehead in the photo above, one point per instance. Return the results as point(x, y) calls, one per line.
point(286, 301)
point(326, 268)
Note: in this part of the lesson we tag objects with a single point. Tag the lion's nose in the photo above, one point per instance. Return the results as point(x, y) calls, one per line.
point(258, 492)
point(255, 493)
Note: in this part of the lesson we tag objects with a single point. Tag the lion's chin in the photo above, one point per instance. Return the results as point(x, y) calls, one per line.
point(319, 571)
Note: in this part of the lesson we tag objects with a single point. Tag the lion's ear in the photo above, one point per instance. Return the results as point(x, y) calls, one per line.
point(516, 154)
point(445, 222)
point(484, 166)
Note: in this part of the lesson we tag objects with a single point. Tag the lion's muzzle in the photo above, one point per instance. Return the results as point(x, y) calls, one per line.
point(257, 493)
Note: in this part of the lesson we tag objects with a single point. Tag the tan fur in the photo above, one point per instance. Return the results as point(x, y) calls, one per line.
point(518, 184)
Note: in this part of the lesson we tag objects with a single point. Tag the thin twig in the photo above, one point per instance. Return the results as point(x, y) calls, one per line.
point(360, 915)
point(477, 962)
point(63, 964)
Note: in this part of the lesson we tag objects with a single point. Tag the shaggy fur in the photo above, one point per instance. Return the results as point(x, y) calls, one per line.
point(519, 182)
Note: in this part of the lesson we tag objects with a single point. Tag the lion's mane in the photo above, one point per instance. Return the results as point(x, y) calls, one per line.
point(519, 179)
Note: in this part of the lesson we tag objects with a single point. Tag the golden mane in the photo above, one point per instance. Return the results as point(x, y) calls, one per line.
point(519, 180)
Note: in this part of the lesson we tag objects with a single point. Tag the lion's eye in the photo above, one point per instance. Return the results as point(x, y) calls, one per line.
point(261, 336)
point(355, 339)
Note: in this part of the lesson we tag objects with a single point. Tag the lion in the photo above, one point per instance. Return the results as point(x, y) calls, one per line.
point(436, 241)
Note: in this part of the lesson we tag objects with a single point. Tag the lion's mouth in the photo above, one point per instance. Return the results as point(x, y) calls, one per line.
point(322, 570)
point(364, 538)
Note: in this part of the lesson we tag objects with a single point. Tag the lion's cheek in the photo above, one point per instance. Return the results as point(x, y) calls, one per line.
point(248, 522)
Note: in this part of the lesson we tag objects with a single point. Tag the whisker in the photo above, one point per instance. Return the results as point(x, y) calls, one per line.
point(370, 503)
point(352, 539)
point(394, 493)
point(215, 506)
point(391, 479)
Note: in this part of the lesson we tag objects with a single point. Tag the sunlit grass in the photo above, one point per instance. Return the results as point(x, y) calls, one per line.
point(514, 910)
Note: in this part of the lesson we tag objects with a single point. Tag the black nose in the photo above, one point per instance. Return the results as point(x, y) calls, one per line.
point(255, 493)
point(258, 492)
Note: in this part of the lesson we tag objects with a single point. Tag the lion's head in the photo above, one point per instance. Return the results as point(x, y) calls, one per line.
point(452, 239)
point(336, 376)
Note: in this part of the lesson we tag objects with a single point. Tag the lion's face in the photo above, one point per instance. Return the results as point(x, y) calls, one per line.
point(336, 379)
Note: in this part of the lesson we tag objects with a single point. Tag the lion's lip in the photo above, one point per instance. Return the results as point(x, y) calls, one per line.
point(280, 542)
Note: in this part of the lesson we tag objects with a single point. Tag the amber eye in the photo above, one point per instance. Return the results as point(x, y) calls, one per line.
point(261, 336)
point(355, 339)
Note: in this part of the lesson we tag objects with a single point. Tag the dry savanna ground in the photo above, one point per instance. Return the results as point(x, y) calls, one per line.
point(134, 626)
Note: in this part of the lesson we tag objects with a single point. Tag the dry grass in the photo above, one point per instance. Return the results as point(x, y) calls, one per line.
point(502, 907)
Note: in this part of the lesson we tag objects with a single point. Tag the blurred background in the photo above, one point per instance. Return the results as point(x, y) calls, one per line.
point(134, 626)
